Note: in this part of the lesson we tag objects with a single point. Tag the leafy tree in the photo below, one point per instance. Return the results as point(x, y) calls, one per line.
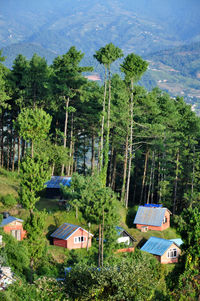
point(189, 229)
point(34, 172)
point(44, 288)
point(67, 81)
point(33, 125)
point(36, 81)
point(36, 242)
point(133, 67)
point(3, 95)
point(15, 255)
point(134, 278)
point(106, 56)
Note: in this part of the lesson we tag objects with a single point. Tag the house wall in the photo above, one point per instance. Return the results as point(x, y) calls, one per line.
point(164, 258)
point(124, 239)
point(16, 225)
point(60, 242)
point(160, 228)
point(70, 244)
point(126, 250)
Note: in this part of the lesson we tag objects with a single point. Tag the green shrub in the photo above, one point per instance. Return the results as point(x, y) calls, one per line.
point(8, 200)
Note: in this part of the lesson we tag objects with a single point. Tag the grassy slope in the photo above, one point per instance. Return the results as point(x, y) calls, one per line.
point(9, 183)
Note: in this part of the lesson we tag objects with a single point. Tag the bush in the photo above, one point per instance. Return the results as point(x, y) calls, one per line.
point(8, 200)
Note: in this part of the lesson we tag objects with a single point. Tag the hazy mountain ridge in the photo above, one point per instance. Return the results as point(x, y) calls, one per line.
point(134, 26)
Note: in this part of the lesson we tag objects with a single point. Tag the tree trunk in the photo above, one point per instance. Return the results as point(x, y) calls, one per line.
point(71, 146)
point(102, 238)
point(130, 147)
point(113, 179)
point(65, 129)
point(106, 148)
point(111, 166)
point(125, 169)
point(153, 178)
point(99, 255)
point(18, 153)
point(93, 154)
point(102, 122)
point(2, 139)
point(176, 183)
point(13, 154)
point(144, 175)
point(193, 173)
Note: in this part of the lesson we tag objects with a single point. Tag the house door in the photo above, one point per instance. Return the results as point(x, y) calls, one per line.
point(16, 234)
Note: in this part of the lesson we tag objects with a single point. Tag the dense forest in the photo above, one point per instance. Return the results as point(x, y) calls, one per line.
point(123, 146)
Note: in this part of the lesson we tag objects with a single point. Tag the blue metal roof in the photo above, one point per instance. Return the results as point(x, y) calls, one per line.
point(9, 220)
point(151, 216)
point(156, 245)
point(64, 231)
point(177, 241)
point(153, 205)
point(56, 181)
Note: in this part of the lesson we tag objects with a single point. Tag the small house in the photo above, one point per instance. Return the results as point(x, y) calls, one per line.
point(166, 251)
point(71, 237)
point(13, 225)
point(53, 186)
point(152, 217)
point(125, 238)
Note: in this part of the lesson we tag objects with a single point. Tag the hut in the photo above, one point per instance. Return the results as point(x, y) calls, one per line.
point(152, 217)
point(125, 238)
point(71, 237)
point(53, 186)
point(166, 251)
point(13, 225)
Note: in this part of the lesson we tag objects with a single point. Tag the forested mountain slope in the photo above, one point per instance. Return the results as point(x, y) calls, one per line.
point(141, 26)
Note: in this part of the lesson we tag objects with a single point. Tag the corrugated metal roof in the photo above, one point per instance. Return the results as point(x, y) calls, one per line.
point(177, 241)
point(151, 216)
point(56, 181)
point(156, 245)
point(9, 220)
point(64, 231)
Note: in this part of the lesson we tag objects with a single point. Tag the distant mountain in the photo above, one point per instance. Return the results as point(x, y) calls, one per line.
point(140, 26)
point(26, 49)
point(176, 71)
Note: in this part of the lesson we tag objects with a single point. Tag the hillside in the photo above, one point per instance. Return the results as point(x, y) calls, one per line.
point(134, 26)
point(176, 71)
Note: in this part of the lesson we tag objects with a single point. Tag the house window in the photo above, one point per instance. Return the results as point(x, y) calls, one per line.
point(172, 253)
point(164, 220)
point(16, 234)
point(79, 239)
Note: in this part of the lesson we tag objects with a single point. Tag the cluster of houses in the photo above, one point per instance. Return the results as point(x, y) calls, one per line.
point(148, 217)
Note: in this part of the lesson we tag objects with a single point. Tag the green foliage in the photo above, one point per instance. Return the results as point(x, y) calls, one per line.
point(108, 54)
point(133, 278)
point(8, 200)
point(189, 228)
point(34, 172)
point(133, 67)
point(44, 288)
point(36, 242)
point(15, 254)
point(33, 124)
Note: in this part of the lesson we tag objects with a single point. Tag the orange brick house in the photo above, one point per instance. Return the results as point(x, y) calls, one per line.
point(71, 237)
point(152, 217)
point(166, 251)
point(13, 226)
